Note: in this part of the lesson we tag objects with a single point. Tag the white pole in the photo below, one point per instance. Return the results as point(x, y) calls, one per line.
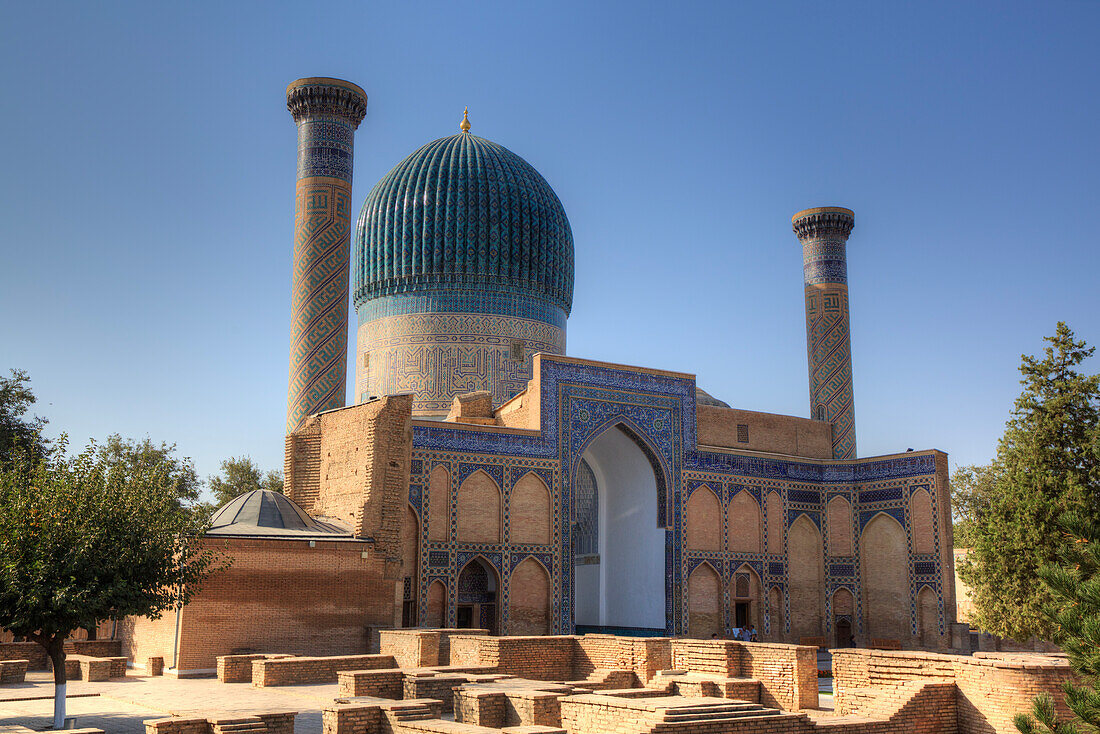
point(59, 705)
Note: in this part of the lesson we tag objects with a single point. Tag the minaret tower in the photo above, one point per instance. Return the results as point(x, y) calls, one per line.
point(327, 112)
point(824, 235)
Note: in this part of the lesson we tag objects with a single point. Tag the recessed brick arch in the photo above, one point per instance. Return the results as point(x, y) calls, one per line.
point(884, 561)
point(705, 616)
point(744, 524)
point(921, 523)
point(529, 599)
point(806, 573)
point(439, 504)
point(435, 611)
point(529, 515)
point(839, 515)
point(479, 509)
point(703, 520)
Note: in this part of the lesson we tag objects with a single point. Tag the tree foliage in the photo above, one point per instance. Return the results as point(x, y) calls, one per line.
point(18, 433)
point(1074, 615)
point(972, 489)
point(137, 460)
point(1048, 463)
point(240, 475)
point(90, 538)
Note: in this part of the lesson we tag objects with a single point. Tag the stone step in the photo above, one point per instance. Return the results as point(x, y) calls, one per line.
point(722, 715)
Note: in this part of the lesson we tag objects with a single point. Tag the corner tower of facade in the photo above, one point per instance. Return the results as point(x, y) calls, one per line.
point(824, 232)
point(463, 271)
point(327, 112)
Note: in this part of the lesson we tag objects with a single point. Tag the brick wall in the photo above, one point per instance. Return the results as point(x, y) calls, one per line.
point(780, 434)
point(31, 651)
point(991, 688)
point(288, 671)
point(787, 673)
point(353, 465)
point(278, 596)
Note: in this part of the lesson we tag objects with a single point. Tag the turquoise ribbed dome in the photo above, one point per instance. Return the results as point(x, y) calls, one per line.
point(463, 214)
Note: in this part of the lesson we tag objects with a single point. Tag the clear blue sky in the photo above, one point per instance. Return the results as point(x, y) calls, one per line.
point(146, 197)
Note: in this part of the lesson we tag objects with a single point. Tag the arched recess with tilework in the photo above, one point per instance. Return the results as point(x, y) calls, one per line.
point(623, 584)
point(928, 617)
point(839, 513)
point(435, 613)
point(410, 561)
point(477, 603)
point(478, 505)
point(844, 608)
point(703, 520)
point(806, 573)
point(746, 599)
point(774, 512)
point(921, 524)
point(884, 564)
point(744, 524)
point(705, 616)
point(529, 599)
point(439, 504)
point(529, 518)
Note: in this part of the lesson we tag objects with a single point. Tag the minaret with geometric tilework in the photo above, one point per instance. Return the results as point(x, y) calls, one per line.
point(327, 112)
point(824, 235)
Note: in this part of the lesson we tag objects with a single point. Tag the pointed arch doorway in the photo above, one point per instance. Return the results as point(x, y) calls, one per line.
point(618, 543)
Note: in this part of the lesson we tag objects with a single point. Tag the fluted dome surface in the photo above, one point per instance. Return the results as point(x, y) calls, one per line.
point(463, 213)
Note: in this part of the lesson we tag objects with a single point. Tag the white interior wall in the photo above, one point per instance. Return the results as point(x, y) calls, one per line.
point(629, 581)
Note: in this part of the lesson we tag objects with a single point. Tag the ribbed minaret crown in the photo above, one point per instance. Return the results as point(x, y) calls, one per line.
point(823, 232)
point(327, 112)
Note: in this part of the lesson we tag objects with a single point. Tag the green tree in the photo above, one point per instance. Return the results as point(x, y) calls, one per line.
point(972, 489)
point(134, 459)
point(1074, 615)
point(83, 540)
point(19, 434)
point(1048, 462)
point(240, 475)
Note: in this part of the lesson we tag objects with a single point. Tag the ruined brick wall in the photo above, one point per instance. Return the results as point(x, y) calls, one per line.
point(30, 651)
point(644, 655)
point(787, 673)
point(352, 465)
point(412, 648)
point(289, 671)
point(991, 688)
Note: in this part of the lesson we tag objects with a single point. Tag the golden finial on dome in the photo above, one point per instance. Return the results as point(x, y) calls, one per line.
point(464, 126)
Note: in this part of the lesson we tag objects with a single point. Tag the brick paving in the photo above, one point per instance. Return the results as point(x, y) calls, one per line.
point(122, 705)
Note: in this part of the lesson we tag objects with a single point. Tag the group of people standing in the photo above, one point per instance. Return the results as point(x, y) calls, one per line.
point(742, 634)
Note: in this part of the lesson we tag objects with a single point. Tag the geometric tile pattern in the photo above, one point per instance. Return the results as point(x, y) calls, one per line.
point(436, 356)
point(581, 400)
point(327, 112)
point(824, 234)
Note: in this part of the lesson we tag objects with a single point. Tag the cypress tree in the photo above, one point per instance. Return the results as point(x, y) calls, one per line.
point(1048, 463)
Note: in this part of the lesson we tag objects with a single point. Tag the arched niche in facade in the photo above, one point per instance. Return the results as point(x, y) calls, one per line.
point(703, 520)
point(705, 616)
point(623, 584)
point(806, 578)
point(884, 561)
point(439, 504)
point(529, 599)
point(529, 514)
point(839, 517)
point(744, 524)
point(478, 504)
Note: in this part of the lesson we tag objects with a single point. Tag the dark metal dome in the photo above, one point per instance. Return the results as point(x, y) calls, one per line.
point(263, 512)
